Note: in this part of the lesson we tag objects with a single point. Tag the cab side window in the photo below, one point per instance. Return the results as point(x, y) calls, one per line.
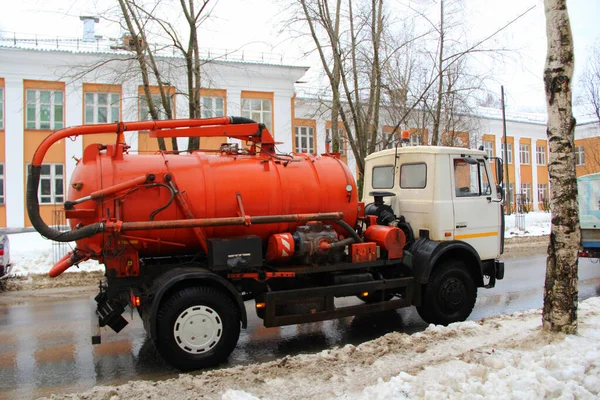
point(413, 176)
point(383, 177)
point(471, 178)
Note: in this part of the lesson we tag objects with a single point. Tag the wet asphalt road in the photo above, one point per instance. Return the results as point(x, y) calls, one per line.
point(45, 343)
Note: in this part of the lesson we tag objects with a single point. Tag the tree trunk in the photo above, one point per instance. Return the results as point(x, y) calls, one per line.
point(129, 15)
point(560, 292)
point(435, 135)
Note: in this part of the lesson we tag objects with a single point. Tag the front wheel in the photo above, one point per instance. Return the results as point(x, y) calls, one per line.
point(449, 296)
point(197, 327)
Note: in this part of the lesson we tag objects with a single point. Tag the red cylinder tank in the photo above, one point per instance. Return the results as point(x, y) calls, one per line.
point(211, 185)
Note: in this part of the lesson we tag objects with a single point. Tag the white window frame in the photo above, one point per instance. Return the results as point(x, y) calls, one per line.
point(111, 108)
point(579, 155)
point(526, 189)
point(508, 153)
point(307, 133)
point(53, 177)
point(2, 191)
point(416, 139)
point(524, 156)
point(1, 108)
point(210, 106)
point(341, 139)
point(540, 155)
point(157, 101)
point(259, 110)
point(33, 98)
point(542, 189)
point(488, 147)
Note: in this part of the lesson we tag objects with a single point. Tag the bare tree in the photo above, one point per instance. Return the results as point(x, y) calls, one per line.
point(591, 82)
point(135, 28)
point(560, 291)
point(139, 19)
point(356, 73)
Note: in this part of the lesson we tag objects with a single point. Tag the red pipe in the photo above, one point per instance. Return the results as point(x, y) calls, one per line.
point(194, 223)
point(118, 128)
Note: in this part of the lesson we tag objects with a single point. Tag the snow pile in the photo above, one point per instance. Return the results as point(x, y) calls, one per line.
point(30, 253)
point(536, 224)
point(502, 357)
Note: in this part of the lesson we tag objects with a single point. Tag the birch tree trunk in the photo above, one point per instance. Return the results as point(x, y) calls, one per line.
point(560, 291)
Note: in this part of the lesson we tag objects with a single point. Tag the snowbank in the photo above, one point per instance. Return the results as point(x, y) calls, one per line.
point(536, 224)
point(502, 357)
point(30, 253)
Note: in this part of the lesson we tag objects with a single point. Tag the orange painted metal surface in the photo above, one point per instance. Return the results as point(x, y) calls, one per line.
point(175, 202)
point(389, 238)
point(362, 252)
point(281, 247)
point(225, 195)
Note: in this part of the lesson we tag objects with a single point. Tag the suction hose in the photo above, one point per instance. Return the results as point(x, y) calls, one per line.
point(33, 209)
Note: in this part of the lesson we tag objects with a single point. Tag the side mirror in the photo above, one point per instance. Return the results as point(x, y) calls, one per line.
point(499, 171)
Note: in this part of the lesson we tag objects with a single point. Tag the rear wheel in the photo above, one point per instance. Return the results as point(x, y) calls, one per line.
point(449, 296)
point(197, 327)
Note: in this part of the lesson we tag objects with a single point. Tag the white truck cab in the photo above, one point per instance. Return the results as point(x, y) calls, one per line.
point(447, 196)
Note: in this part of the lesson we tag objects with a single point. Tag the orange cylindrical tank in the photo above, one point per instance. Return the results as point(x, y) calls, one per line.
point(211, 184)
point(389, 238)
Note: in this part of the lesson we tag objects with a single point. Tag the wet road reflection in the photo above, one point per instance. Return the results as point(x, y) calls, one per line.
point(45, 344)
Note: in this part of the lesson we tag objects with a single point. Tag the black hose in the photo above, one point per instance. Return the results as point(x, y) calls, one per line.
point(153, 214)
point(33, 209)
point(241, 120)
point(349, 229)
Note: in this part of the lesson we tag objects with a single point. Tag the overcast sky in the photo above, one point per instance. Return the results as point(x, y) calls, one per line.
point(255, 25)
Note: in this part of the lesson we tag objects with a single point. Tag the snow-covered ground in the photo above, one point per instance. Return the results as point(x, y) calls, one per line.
point(504, 357)
point(535, 224)
point(30, 253)
point(33, 254)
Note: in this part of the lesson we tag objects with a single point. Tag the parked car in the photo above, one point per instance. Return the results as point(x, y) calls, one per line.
point(4, 256)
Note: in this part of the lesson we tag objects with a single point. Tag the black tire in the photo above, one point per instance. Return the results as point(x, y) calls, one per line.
point(449, 296)
point(210, 341)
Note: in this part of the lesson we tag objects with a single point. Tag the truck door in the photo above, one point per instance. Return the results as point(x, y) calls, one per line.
point(476, 214)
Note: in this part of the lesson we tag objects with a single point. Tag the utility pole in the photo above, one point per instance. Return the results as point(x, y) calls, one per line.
point(507, 179)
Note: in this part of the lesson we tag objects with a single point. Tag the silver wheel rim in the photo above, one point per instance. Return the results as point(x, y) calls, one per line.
point(198, 329)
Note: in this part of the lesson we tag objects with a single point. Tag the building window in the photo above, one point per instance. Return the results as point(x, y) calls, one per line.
point(509, 158)
point(305, 139)
point(101, 107)
point(511, 192)
point(157, 102)
point(1, 183)
point(259, 110)
point(524, 154)
point(579, 155)
point(526, 193)
point(416, 139)
point(1, 108)
point(341, 140)
point(52, 180)
point(488, 147)
point(45, 109)
point(213, 107)
point(542, 189)
point(540, 155)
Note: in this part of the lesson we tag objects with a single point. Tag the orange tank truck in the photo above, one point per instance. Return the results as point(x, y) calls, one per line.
point(187, 238)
